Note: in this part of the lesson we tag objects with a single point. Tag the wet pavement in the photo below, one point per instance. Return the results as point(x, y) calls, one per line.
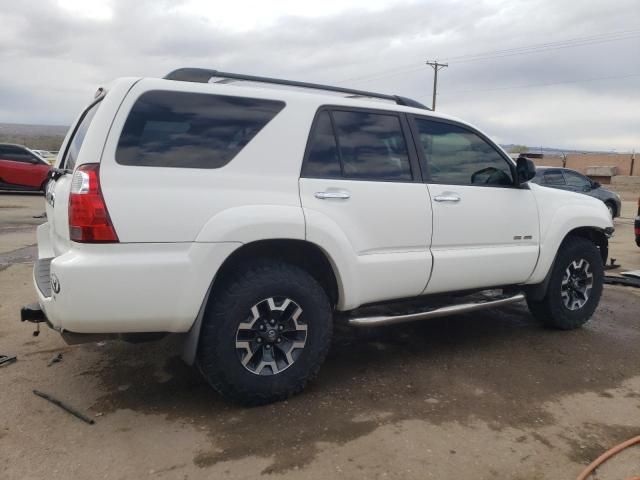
point(484, 395)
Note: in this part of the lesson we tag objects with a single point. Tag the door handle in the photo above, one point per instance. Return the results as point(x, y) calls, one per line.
point(447, 198)
point(340, 195)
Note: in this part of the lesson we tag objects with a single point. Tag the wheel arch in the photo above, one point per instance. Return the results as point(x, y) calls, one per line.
point(613, 205)
point(304, 254)
point(596, 235)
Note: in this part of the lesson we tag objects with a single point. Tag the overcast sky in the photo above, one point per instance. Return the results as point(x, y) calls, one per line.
point(55, 53)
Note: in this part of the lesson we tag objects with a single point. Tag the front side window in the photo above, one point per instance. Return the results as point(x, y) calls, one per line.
point(191, 130)
point(372, 146)
point(457, 156)
point(576, 180)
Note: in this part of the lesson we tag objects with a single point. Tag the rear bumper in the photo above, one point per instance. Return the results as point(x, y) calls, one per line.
point(636, 229)
point(125, 288)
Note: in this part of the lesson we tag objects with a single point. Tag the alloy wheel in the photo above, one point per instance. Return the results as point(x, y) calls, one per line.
point(272, 337)
point(576, 284)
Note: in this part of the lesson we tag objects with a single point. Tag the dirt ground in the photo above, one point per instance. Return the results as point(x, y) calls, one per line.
point(489, 395)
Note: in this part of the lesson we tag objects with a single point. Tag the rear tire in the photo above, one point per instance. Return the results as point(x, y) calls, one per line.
point(575, 286)
point(265, 333)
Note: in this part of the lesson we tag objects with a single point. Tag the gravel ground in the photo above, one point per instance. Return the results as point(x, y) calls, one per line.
point(486, 395)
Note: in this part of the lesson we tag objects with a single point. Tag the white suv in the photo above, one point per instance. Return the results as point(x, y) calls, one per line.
point(245, 212)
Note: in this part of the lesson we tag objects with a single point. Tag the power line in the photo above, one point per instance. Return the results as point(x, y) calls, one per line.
point(570, 42)
point(524, 50)
point(536, 49)
point(582, 80)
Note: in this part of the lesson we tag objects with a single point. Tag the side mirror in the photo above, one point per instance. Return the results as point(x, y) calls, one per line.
point(525, 170)
point(595, 185)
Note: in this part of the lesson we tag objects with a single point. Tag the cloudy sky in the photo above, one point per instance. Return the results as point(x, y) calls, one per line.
point(538, 72)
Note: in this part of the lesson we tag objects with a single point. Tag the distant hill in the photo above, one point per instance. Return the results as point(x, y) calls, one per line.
point(39, 137)
point(49, 137)
point(554, 151)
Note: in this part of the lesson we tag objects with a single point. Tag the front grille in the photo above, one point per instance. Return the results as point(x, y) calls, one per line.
point(42, 269)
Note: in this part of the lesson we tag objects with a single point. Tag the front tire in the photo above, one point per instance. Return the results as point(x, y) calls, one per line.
point(265, 334)
point(575, 286)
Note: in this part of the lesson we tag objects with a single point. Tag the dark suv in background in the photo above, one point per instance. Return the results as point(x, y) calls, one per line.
point(566, 179)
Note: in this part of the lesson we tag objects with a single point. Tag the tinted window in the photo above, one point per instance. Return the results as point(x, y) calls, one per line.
point(372, 146)
point(17, 154)
point(191, 130)
point(322, 158)
point(78, 137)
point(576, 180)
point(457, 156)
point(553, 177)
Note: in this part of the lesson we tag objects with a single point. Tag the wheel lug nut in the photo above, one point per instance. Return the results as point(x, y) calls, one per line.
point(272, 322)
point(280, 327)
point(279, 340)
point(268, 346)
point(262, 327)
point(259, 340)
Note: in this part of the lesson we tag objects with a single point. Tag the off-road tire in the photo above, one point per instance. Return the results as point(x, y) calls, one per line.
point(230, 304)
point(551, 310)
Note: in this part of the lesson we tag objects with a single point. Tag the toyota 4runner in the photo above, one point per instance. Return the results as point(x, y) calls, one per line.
point(249, 213)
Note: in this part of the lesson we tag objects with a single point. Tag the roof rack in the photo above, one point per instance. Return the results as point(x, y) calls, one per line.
point(203, 75)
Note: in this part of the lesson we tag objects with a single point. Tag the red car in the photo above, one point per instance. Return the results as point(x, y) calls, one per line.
point(21, 169)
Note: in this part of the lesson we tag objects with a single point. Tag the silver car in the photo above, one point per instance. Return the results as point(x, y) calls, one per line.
point(566, 179)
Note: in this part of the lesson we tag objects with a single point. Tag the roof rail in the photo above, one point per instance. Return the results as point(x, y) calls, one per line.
point(203, 75)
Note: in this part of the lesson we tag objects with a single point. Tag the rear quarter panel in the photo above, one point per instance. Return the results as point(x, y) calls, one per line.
point(161, 204)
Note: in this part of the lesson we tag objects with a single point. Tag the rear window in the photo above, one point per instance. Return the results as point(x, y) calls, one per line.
point(191, 130)
point(78, 136)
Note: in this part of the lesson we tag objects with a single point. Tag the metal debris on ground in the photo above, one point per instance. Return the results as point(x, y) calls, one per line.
point(626, 281)
point(55, 359)
point(7, 359)
point(65, 407)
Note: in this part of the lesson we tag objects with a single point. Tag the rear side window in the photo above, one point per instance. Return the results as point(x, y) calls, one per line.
point(191, 130)
point(554, 177)
point(78, 137)
point(372, 146)
point(357, 145)
point(323, 160)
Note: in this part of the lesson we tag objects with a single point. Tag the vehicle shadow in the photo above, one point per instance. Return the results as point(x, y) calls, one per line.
point(498, 366)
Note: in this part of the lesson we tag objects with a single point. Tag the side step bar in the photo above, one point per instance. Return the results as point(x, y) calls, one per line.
point(437, 312)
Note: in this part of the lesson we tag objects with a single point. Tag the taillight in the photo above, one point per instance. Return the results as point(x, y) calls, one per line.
point(89, 220)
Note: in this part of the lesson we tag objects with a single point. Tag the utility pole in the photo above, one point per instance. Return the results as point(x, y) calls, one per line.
point(436, 67)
